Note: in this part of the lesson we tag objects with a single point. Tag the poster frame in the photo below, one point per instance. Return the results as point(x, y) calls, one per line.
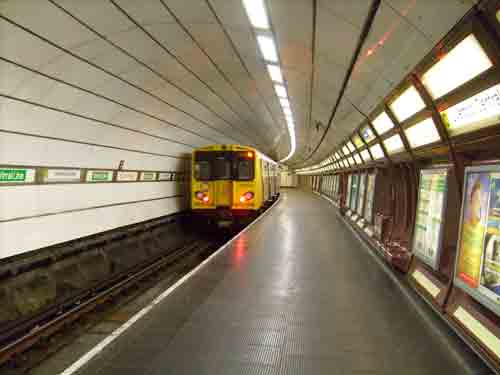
point(474, 293)
point(439, 251)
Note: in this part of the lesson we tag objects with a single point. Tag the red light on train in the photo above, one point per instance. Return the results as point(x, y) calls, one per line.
point(205, 199)
point(248, 196)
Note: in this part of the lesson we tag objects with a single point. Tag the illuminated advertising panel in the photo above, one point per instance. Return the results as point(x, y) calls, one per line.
point(367, 134)
point(349, 186)
point(370, 193)
point(361, 194)
point(357, 141)
point(477, 269)
point(354, 192)
point(476, 112)
point(428, 231)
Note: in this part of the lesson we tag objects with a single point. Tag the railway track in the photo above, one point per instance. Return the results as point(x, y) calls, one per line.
point(17, 340)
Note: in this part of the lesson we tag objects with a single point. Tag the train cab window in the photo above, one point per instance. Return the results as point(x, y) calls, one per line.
point(202, 170)
point(244, 169)
point(224, 165)
point(221, 168)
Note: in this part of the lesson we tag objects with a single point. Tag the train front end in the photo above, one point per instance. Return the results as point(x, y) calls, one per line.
point(226, 186)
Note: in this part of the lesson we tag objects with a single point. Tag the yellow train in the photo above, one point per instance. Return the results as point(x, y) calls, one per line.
point(231, 183)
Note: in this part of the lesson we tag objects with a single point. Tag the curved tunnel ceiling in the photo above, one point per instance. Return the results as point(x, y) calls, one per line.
point(164, 76)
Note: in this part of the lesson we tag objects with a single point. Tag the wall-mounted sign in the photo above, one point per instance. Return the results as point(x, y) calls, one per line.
point(148, 176)
point(431, 203)
point(479, 111)
point(164, 176)
point(62, 175)
point(478, 254)
point(99, 176)
point(17, 175)
point(127, 176)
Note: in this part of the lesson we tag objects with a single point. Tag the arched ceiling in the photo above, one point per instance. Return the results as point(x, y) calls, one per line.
point(185, 73)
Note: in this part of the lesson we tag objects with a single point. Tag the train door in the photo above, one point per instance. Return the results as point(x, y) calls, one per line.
point(223, 186)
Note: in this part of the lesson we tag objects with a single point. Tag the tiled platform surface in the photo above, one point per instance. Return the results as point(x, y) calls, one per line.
point(295, 294)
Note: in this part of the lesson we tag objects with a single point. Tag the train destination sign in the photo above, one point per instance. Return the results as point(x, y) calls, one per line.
point(428, 232)
point(17, 175)
point(99, 176)
point(478, 255)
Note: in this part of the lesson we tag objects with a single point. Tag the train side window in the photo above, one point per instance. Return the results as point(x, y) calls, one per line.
point(202, 170)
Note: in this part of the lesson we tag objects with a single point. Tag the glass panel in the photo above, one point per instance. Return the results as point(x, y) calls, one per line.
point(382, 123)
point(202, 171)
point(479, 111)
point(428, 229)
point(365, 155)
point(357, 159)
point(367, 134)
point(370, 193)
point(357, 141)
point(407, 104)
point(377, 152)
point(245, 169)
point(221, 169)
point(451, 71)
point(478, 250)
point(422, 133)
point(351, 161)
point(361, 195)
point(345, 150)
point(351, 146)
point(394, 144)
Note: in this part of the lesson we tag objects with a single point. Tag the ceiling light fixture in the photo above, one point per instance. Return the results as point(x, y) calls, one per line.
point(267, 48)
point(275, 73)
point(256, 12)
point(280, 91)
point(284, 103)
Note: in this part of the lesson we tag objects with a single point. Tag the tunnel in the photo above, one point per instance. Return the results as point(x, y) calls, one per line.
point(249, 187)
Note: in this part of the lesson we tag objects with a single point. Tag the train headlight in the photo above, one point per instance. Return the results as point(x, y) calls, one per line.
point(248, 196)
point(202, 196)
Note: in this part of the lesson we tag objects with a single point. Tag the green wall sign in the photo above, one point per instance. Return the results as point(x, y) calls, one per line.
point(16, 175)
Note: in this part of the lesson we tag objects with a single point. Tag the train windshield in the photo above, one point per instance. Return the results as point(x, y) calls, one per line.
point(224, 165)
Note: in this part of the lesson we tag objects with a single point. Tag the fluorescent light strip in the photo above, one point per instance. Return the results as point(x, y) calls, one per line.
point(280, 91)
point(284, 102)
point(275, 73)
point(267, 48)
point(256, 12)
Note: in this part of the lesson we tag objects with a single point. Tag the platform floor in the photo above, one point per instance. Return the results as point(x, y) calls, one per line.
point(295, 294)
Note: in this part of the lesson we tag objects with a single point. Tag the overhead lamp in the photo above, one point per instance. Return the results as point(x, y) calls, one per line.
point(280, 91)
point(267, 48)
point(287, 111)
point(284, 102)
point(256, 11)
point(275, 73)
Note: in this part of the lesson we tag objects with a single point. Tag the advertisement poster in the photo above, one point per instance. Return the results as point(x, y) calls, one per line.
point(348, 195)
point(429, 222)
point(370, 191)
point(361, 195)
point(354, 192)
point(478, 264)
